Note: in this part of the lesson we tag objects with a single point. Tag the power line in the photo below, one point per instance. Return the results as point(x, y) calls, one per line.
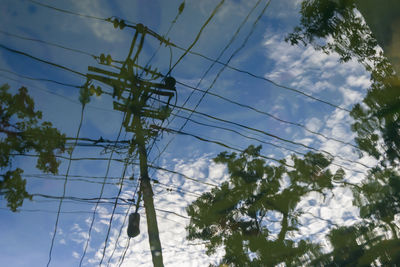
point(269, 143)
point(237, 132)
point(220, 71)
point(117, 22)
point(122, 258)
point(120, 231)
point(198, 35)
point(180, 10)
point(230, 58)
point(196, 88)
point(89, 179)
point(135, 163)
point(113, 211)
point(260, 77)
point(242, 150)
point(221, 53)
point(101, 193)
point(66, 11)
point(65, 185)
point(90, 201)
point(312, 148)
point(145, 186)
point(220, 127)
point(46, 43)
point(204, 91)
point(264, 142)
point(265, 133)
point(208, 69)
point(226, 99)
point(277, 138)
point(122, 125)
point(55, 94)
point(40, 79)
point(267, 114)
point(88, 212)
point(41, 60)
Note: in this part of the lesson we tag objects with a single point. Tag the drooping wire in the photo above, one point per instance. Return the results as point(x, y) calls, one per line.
point(211, 66)
point(113, 212)
point(92, 180)
point(66, 11)
point(330, 138)
point(267, 134)
point(197, 36)
point(260, 77)
point(65, 185)
point(200, 90)
point(101, 194)
point(135, 163)
point(225, 145)
point(286, 148)
point(123, 223)
point(191, 87)
point(220, 55)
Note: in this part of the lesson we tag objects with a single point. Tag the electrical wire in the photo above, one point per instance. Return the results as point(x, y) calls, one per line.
point(260, 77)
point(223, 98)
point(65, 186)
point(233, 131)
point(217, 7)
point(221, 70)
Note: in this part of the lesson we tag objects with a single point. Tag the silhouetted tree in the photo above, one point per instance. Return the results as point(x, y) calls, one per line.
point(20, 132)
point(378, 116)
point(374, 239)
point(336, 26)
point(236, 215)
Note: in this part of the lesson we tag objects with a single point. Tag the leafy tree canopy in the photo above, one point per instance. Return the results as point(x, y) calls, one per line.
point(21, 132)
point(375, 238)
point(335, 26)
point(238, 215)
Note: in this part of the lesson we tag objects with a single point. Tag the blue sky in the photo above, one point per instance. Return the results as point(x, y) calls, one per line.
point(26, 235)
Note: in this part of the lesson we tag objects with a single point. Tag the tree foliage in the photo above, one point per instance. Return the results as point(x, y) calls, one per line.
point(375, 238)
point(336, 26)
point(21, 131)
point(255, 214)
point(377, 118)
point(239, 214)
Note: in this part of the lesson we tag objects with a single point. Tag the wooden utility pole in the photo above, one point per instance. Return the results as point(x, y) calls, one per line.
point(132, 94)
point(147, 192)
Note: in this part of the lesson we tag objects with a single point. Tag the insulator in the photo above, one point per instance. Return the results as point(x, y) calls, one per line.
point(140, 28)
point(133, 225)
point(170, 82)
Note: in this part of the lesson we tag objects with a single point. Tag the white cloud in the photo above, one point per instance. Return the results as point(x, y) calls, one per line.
point(350, 97)
point(171, 227)
point(102, 30)
point(314, 124)
point(359, 81)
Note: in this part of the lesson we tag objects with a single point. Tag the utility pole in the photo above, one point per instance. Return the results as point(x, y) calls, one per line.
point(132, 94)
